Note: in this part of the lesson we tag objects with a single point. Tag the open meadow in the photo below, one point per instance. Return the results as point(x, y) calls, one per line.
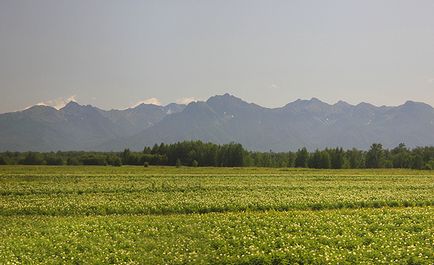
point(168, 215)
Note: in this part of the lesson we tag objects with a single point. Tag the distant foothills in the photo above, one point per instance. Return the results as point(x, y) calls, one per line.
point(222, 119)
point(197, 153)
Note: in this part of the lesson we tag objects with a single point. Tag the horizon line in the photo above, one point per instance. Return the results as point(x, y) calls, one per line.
point(217, 95)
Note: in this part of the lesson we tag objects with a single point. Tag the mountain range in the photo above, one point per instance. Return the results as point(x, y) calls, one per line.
point(221, 119)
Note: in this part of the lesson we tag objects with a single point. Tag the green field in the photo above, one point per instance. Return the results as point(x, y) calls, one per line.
point(167, 215)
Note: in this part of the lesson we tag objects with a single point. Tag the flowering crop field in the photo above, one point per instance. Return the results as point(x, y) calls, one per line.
point(164, 215)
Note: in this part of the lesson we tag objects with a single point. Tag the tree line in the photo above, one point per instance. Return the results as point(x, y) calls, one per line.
point(197, 153)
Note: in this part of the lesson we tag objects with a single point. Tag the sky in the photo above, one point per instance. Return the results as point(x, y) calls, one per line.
point(116, 54)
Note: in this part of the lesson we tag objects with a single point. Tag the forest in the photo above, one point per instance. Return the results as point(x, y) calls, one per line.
point(198, 153)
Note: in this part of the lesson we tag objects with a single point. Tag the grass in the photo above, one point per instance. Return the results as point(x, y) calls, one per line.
point(159, 215)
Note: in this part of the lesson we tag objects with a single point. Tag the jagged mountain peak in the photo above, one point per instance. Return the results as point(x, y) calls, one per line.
point(310, 105)
point(83, 111)
point(39, 108)
point(226, 99)
point(144, 106)
point(197, 106)
point(343, 103)
point(315, 100)
point(307, 102)
point(414, 104)
point(365, 105)
point(228, 103)
point(71, 105)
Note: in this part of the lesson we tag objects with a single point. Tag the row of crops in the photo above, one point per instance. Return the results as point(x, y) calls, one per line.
point(150, 194)
point(206, 215)
point(382, 236)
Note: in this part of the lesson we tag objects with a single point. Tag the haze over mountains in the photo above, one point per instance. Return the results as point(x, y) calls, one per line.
point(221, 119)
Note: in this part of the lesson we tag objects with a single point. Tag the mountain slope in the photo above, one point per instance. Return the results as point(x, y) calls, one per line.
point(310, 123)
point(75, 127)
point(134, 120)
point(221, 119)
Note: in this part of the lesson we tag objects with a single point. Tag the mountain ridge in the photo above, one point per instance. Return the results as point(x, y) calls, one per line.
point(314, 99)
point(220, 119)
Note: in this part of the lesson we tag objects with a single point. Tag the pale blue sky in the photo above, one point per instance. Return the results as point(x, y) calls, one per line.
point(113, 54)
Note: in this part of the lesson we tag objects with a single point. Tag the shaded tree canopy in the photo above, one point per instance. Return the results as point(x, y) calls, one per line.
point(197, 153)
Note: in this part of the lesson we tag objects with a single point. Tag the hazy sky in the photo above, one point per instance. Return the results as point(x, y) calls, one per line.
point(113, 54)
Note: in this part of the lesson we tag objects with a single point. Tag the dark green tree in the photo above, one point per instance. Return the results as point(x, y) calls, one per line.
point(337, 158)
point(126, 156)
point(114, 160)
point(325, 161)
point(315, 159)
point(301, 158)
point(178, 162)
point(375, 156)
point(72, 161)
point(400, 156)
point(355, 158)
point(32, 158)
point(291, 159)
point(417, 161)
point(3, 161)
